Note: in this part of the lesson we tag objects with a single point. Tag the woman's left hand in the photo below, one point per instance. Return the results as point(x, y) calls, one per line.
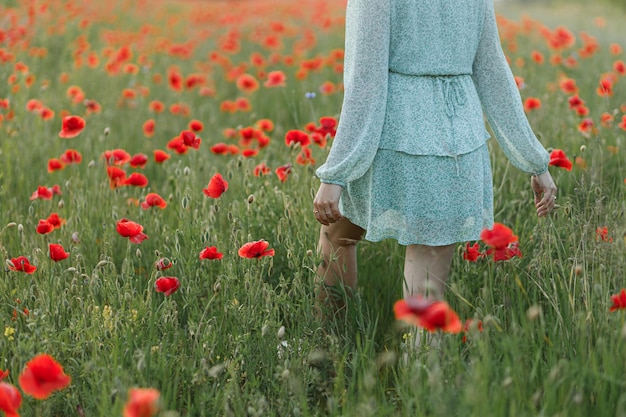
point(326, 204)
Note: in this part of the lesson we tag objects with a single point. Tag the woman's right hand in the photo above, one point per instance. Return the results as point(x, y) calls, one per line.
point(326, 204)
point(544, 190)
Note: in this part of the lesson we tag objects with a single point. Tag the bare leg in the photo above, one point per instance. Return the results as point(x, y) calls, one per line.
point(426, 270)
point(337, 245)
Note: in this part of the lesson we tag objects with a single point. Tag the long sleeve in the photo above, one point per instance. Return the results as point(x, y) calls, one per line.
point(502, 102)
point(366, 67)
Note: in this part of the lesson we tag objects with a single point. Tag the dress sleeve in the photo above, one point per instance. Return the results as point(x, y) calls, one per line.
point(366, 70)
point(502, 102)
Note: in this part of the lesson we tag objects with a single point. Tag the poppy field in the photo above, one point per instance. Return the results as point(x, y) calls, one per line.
point(159, 247)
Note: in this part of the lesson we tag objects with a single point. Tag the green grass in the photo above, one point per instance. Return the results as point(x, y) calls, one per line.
point(550, 346)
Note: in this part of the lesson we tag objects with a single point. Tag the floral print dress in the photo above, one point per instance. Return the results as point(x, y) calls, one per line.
point(410, 150)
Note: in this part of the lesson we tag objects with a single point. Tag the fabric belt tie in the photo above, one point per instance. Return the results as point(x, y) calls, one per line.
point(453, 94)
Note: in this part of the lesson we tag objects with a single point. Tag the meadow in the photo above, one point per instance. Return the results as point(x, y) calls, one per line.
point(174, 299)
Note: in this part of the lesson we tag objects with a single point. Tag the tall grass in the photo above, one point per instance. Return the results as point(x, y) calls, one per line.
point(241, 337)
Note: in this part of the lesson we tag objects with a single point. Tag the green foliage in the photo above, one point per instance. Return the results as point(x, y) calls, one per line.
point(241, 337)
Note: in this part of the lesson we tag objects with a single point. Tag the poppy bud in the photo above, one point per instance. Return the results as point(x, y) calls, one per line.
point(185, 202)
point(281, 332)
point(251, 199)
point(138, 253)
point(20, 228)
point(61, 204)
point(91, 164)
point(217, 287)
point(11, 224)
point(186, 171)
point(583, 148)
point(107, 131)
point(309, 252)
point(534, 312)
point(264, 329)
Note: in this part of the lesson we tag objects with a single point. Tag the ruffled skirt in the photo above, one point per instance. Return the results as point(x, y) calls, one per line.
point(422, 199)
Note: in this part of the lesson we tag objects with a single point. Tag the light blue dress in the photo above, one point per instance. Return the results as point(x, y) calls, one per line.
point(410, 150)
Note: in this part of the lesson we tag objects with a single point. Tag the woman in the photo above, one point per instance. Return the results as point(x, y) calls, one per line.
point(410, 159)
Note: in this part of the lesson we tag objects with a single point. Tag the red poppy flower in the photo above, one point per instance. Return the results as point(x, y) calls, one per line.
point(153, 200)
point(248, 153)
point(619, 301)
point(116, 176)
point(505, 253)
point(219, 148)
point(247, 83)
point(297, 136)
point(22, 264)
point(57, 252)
point(211, 253)
point(4, 374)
point(261, 169)
point(71, 156)
point(167, 285)
point(117, 157)
point(602, 233)
point(142, 402)
point(469, 325)
point(10, 399)
point(265, 125)
point(216, 187)
point(585, 126)
point(44, 193)
point(196, 125)
point(148, 128)
point(532, 103)
point(55, 164)
point(243, 104)
point(55, 220)
point(499, 236)
point(428, 314)
point(568, 86)
point(175, 78)
point(71, 126)
point(304, 157)
point(43, 228)
point(256, 249)
point(131, 230)
point(41, 376)
point(328, 126)
point(139, 160)
point(559, 159)
point(160, 156)
point(162, 264)
point(275, 79)
point(177, 144)
point(472, 253)
point(190, 139)
point(283, 172)
point(136, 179)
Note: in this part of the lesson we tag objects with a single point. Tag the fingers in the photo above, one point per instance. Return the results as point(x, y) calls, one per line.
point(546, 204)
point(326, 204)
point(326, 214)
point(544, 192)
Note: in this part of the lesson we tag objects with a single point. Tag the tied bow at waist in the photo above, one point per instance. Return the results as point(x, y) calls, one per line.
point(454, 95)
